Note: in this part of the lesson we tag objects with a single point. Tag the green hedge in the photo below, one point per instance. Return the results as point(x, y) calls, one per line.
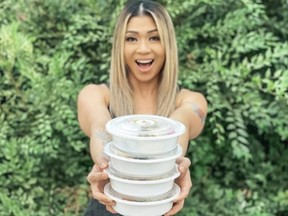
point(234, 52)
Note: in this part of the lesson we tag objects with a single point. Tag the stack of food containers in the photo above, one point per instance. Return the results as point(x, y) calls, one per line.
point(142, 167)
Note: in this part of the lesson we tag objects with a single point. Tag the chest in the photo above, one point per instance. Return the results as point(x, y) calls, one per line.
point(145, 105)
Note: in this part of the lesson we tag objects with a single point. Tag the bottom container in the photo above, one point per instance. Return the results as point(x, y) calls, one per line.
point(144, 207)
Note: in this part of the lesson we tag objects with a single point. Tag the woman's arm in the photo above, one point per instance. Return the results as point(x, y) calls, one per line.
point(93, 114)
point(191, 110)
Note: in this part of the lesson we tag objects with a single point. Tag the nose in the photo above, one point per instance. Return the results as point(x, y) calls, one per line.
point(143, 47)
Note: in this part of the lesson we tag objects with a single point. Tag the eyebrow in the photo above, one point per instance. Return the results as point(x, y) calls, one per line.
point(136, 32)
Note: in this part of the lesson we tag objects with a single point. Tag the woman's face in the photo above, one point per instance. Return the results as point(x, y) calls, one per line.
point(144, 54)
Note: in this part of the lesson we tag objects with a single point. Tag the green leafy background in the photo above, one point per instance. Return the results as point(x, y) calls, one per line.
point(234, 52)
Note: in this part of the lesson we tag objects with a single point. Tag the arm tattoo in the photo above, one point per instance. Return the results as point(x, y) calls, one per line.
point(198, 111)
point(103, 135)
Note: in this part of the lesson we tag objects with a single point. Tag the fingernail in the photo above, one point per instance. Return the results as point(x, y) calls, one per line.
point(102, 164)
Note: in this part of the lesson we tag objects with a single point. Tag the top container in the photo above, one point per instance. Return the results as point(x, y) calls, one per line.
point(145, 134)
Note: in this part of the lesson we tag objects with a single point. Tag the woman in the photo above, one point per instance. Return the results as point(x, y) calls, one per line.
point(143, 80)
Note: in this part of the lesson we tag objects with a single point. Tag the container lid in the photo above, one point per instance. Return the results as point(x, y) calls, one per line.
point(115, 150)
point(144, 126)
point(114, 174)
point(177, 152)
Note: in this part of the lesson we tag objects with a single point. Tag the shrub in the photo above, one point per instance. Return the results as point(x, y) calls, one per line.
point(235, 53)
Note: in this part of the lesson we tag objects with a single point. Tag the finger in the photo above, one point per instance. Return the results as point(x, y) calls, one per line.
point(185, 184)
point(111, 209)
point(95, 169)
point(103, 199)
point(176, 208)
point(102, 161)
point(183, 194)
point(94, 177)
point(183, 164)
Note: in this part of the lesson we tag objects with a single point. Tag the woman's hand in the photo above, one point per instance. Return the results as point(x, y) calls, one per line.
point(98, 179)
point(185, 183)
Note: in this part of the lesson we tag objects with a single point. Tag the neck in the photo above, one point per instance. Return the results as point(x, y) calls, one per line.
point(145, 98)
point(145, 89)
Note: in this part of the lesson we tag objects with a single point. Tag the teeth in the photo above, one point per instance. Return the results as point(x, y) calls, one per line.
point(144, 61)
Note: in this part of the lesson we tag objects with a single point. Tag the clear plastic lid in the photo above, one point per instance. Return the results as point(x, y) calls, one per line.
point(144, 126)
point(114, 150)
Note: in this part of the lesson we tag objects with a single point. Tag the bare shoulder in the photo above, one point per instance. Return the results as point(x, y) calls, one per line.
point(191, 110)
point(100, 88)
point(192, 97)
point(99, 92)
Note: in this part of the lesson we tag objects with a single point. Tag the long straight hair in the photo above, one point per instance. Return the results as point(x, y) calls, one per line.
point(121, 101)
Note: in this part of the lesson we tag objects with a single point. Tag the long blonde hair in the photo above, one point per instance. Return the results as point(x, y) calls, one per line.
point(121, 102)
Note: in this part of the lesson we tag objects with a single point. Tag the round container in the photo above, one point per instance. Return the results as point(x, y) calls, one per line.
point(145, 134)
point(142, 188)
point(121, 153)
point(141, 167)
point(142, 208)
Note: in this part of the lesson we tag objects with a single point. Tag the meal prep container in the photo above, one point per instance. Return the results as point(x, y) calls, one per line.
point(151, 167)
point(151, 207)
point(119, 152)
point(145, 134)
point(142, 188)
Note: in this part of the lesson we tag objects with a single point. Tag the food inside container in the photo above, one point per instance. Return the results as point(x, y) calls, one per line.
point(143, 135)
point(143, 126)
point(115, 150)
point(139, 167)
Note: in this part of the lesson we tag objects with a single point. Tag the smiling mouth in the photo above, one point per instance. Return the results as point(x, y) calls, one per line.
point(144, 65)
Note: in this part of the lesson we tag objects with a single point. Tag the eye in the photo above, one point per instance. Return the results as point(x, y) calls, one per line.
point(155, 38)
point(131, 39)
